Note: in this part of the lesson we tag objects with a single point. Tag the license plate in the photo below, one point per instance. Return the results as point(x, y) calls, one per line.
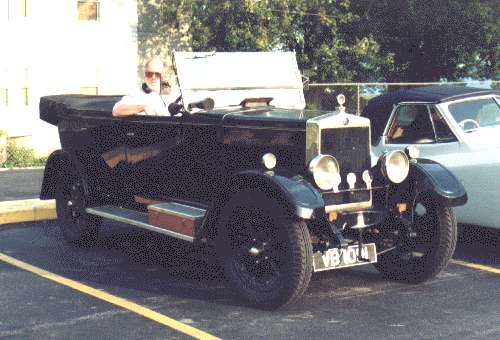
point(344, 257)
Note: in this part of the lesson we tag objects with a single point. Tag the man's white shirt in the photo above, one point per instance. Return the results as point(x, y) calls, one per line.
point(159, 103)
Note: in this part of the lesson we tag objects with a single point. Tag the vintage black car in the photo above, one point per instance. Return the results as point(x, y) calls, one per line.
point(279, 192)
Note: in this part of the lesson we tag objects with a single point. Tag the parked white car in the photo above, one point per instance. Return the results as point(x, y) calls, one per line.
point(456, 126)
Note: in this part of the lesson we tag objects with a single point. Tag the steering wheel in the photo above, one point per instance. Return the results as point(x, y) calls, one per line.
point(176, 108)
point(468, 120)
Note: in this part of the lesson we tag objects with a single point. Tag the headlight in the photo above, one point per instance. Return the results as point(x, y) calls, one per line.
point(395, 166)
point(269, 161)
point(325, 170)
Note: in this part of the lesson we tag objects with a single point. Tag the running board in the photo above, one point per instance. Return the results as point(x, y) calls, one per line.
point(169, 218)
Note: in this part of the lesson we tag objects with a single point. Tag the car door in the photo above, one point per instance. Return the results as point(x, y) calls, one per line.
point(151, 143)
point(422, 125)
point(478, 162)
point(174, 157)
point(436, 140)
point(478, 170)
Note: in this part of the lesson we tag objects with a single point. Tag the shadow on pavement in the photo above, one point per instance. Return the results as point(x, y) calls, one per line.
point(478, 244)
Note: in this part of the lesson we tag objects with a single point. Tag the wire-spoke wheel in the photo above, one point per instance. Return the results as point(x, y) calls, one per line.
point(267, 257)
point(76, 225)
point(427, 251)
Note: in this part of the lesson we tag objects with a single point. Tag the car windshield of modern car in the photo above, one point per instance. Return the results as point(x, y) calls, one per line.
point(474, 114)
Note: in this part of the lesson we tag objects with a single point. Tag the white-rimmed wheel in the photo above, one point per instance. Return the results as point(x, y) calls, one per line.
point(266, 255)
point(424, 251)
point(76, 225)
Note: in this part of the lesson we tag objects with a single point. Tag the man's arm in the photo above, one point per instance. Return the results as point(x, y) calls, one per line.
point(124, 110)
point(128, 110)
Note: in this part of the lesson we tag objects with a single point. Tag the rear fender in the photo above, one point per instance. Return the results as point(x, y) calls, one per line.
point(97, 184)
point(58, 163)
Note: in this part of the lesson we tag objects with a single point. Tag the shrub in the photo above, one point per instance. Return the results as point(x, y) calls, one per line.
point(3, 147)
point(21, 156)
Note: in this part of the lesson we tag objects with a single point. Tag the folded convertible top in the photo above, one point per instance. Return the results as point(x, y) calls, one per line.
point(54, 108)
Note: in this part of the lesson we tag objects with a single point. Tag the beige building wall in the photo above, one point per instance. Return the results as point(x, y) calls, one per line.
point(47, 49)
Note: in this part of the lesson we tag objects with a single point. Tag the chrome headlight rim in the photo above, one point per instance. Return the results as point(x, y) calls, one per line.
point(395, 166)
point(325, 171)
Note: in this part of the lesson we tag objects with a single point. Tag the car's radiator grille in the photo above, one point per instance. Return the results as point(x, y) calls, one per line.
point(350, 146)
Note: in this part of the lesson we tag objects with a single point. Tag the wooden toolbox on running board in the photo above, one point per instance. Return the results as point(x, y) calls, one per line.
point(175, 217)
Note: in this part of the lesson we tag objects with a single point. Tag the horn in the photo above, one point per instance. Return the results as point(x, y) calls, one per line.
point(205, 104)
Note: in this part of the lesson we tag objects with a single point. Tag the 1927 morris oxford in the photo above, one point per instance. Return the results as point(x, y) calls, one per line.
point(278, 191)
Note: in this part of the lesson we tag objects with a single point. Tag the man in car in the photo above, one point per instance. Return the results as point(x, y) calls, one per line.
point(148, 100)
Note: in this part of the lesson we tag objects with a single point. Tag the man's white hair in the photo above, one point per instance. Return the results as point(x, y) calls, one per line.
point(154, 59)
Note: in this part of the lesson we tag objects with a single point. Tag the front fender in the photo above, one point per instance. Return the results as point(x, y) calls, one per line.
point(426, 177)
point(298, 196)
point(432, 177)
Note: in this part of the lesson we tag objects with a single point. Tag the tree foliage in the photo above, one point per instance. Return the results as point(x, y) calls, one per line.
point(433, 40)
point(344, 40)
point(321, 32)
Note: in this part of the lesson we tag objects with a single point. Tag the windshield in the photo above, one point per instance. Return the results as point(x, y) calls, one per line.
point(231, 77)
point(473, 114)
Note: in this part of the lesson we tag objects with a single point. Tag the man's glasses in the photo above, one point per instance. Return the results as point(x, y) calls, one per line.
point(151, 74)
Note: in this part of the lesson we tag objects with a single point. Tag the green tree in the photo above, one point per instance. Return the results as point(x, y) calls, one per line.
point(323, 33)
point(329, 45)
point(433, 40)
point(362, 40)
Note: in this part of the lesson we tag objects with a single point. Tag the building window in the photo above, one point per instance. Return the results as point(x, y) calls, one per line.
point(88, 10)
point(4, 97)
point(25, 96)
point(90, 90)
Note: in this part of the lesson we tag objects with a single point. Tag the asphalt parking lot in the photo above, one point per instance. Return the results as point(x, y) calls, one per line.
point(138, 285)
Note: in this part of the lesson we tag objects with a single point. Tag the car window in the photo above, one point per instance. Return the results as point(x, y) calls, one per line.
point(441, 128)
point(411, 125)
point(473, 114)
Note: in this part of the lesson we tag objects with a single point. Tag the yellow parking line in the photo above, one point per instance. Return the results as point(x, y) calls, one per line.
point(134, 307)
point(476, 266)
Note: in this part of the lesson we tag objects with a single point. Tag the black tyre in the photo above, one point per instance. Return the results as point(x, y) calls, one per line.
point(428, 252)
point(266, 256)
point(76, 225)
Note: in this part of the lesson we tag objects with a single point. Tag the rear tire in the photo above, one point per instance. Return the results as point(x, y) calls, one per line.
point(76, 225)
point(424, 256)
point(265, 255)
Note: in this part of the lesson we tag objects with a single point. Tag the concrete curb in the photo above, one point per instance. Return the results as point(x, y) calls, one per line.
point(27, 211)
point(23, 168)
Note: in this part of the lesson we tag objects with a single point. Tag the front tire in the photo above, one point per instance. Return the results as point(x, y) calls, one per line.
point(426, 253)
point(266, 256)
point(77, 226)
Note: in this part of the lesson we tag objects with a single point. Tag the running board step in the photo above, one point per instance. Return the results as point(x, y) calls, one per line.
point(169, 218)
